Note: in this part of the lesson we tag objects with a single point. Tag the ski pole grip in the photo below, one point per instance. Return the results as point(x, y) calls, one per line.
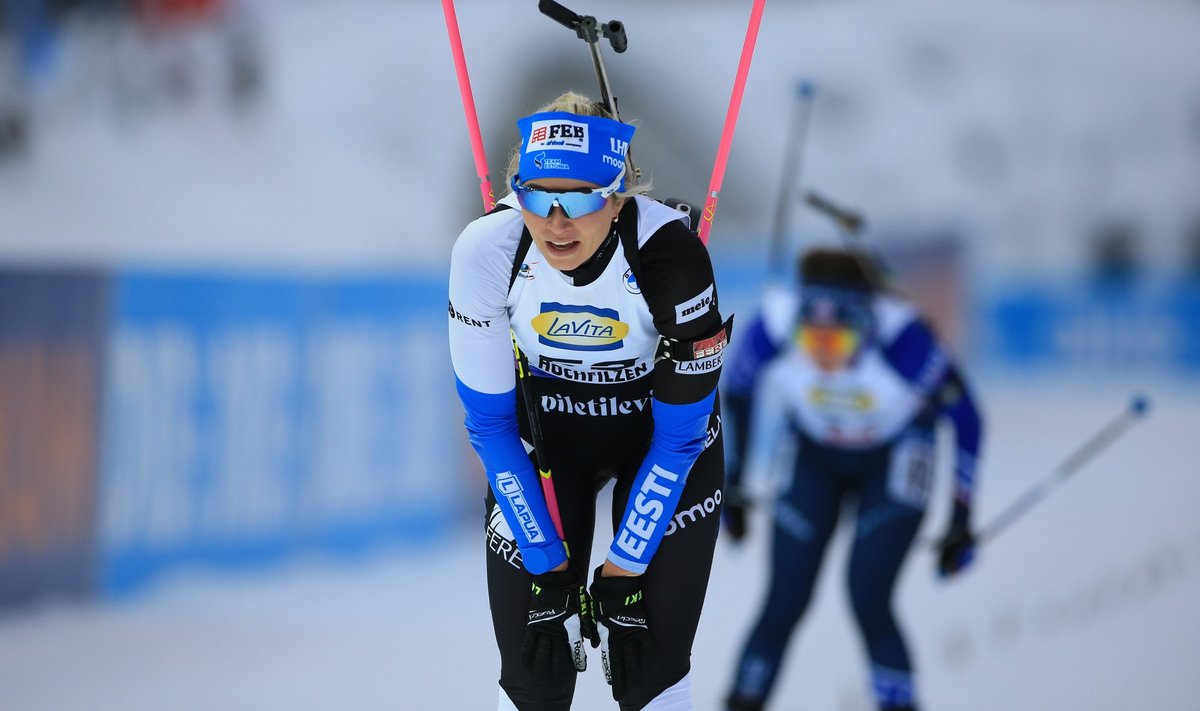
point(558, 13)
point(614, 30)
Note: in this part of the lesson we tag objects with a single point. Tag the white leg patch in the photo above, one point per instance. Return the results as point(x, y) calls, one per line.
point(676, 698)
point(505, 703)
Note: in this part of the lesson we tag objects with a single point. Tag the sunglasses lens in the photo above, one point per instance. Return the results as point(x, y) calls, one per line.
point(541, 202)
point(829, 342)
point(580, 204)
point(536, 201)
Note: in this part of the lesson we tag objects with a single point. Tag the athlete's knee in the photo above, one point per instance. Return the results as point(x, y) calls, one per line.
point(872, 609)
point(533, 698)
point(505, 703)
point(870, 590)
point(676, 697)
point(774, 628)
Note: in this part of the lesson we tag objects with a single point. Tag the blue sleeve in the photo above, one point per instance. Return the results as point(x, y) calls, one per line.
point(492, 428)
point(752, 351)
point(916, 355)
point(679, 436)
point(958, 406)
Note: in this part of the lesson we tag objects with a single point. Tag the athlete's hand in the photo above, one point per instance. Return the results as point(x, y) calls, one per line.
point(626, 648)
point(559, 620)
point(956, 548)
point(733, 514)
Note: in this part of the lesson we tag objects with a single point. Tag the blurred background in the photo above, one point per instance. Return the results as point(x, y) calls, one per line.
point(232, 466)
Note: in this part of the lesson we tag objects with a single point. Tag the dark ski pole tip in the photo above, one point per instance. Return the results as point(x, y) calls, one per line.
point(615, 31)
point(1140, 404)
point(558, 13)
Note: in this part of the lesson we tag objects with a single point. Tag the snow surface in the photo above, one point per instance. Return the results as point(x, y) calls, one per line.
point(1086, 604)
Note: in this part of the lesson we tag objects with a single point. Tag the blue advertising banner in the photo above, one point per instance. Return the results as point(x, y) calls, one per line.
point(249, 417)
point(1092, 326)
point(51, 346)
point(151, 420)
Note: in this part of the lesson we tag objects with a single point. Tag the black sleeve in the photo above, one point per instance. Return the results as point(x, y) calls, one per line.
point(677, 282)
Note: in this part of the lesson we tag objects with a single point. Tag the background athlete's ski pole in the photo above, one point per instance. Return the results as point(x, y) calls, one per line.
point(735, 104)
point(792, 164)
point(468, 101)
point(1138, 406)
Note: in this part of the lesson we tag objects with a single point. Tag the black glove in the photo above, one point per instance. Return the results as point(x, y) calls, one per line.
point(956, 549)
point(559, 620)
point(733, 513)
point(626, 650)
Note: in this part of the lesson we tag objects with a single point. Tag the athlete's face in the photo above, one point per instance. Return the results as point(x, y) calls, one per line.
point(567, 243)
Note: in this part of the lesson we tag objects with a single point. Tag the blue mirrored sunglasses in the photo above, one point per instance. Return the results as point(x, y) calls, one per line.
point(574, 203)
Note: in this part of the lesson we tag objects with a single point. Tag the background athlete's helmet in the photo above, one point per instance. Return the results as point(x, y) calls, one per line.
point(835, 320)
point(834, 268)
point(835, 290)
point(836, 308)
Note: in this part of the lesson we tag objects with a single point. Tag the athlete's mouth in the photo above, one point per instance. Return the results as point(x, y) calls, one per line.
point(562, 246)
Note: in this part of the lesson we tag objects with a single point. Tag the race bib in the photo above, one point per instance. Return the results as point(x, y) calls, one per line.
point(911, 471)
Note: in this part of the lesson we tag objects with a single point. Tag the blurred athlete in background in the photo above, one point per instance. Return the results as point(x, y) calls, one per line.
point(856, 379)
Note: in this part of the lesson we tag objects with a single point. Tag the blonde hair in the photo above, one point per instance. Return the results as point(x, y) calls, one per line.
point(580, 105)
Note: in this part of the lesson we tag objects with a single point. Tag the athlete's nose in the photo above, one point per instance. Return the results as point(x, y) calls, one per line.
point(557, 220)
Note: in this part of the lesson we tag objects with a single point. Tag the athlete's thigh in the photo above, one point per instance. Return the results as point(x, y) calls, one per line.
point(807, 512)
point(894, 495)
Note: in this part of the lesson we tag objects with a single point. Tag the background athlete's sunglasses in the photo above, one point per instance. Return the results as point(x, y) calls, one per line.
point(574, 203)
point(839, 343)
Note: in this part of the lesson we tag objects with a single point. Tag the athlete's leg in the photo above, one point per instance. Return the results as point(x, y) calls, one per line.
point(892, 502)
point(805, 518)
point(677, 578)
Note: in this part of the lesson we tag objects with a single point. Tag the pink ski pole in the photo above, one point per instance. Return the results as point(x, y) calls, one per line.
point(735, 103)
point(468, 101)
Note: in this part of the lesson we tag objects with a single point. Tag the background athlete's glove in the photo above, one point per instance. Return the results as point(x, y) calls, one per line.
point(733, 513)
point(559, 620)
point(626, 649)
point(956, 548)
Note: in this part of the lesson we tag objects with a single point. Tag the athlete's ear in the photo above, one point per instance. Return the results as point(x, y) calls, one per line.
point(618, 205)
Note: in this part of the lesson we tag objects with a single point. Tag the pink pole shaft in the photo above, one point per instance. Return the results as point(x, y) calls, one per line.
point(552, 503)
point(468, 101)
point(735, 104)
